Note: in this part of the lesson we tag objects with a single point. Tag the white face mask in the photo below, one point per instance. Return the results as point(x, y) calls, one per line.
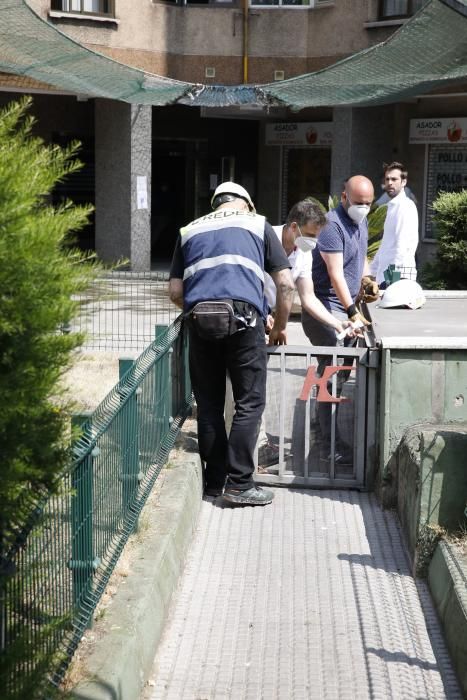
point(358, 212)
point(305, 244)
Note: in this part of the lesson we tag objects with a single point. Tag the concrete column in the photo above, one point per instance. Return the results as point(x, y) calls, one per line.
point(363, 138)
point(123, 154)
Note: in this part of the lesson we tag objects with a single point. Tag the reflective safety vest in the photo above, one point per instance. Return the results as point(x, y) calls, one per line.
point(223, 255)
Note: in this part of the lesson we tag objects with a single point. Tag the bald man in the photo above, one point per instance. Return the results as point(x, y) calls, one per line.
point(339, 264)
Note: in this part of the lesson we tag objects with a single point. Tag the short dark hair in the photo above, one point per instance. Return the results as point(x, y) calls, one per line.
point(396, 166)
point(307, 211)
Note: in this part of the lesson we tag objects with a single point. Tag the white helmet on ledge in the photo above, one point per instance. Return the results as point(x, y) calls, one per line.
point(231, 190)
point(403, 293)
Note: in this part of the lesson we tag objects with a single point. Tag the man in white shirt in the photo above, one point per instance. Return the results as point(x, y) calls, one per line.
point(299, 236)
point(400, 235)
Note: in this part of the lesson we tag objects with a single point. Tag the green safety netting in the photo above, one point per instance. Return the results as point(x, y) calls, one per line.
point(426, 53)
point(30, 46)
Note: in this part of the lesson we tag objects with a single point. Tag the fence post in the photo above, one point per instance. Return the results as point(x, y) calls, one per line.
point(159, 330)
point(170, 403)
point(3, 596)
point(186, 364)
point(129, 436)
point(163, 398)
point(82, 563)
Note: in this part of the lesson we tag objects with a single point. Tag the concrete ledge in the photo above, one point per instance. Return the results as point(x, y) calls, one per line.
point(431, 479)
point(447, 579)
point(122, 659)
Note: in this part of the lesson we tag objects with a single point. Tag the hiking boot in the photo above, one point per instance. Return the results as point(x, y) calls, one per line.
point(256, 496)
point(268, 455)
point(341, 459)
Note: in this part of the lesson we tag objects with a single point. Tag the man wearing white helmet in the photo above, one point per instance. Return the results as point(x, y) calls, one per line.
point(217, 278)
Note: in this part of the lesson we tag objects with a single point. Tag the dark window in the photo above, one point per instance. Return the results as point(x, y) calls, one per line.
point(202, 2)
point(281, 3)
point(390, 9)
point(85, 7)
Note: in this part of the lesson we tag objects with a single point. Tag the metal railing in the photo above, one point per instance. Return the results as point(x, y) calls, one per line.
point(119, 311)
point(394, 273)
point(313, 432)
point(58, 566)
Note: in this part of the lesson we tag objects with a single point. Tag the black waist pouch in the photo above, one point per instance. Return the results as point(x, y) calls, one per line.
point(213, 320)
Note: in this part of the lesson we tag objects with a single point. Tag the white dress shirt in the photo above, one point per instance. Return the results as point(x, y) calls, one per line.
point(400, 239)
point(301, 267)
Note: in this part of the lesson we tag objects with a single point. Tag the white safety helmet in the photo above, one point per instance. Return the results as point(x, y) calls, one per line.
point(403, 293)
point(232, 189)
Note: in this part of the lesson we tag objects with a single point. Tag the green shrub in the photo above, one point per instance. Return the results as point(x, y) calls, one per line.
point(39, 274)
point(449, 269)
point(376, 219)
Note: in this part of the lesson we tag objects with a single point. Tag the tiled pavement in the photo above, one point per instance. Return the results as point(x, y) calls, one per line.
point(311, 597)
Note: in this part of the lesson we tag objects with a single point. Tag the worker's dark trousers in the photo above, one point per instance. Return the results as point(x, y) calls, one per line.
point(243, 356)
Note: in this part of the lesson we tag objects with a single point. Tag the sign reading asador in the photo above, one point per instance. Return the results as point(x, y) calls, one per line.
point(434, 130)
point(303, 134)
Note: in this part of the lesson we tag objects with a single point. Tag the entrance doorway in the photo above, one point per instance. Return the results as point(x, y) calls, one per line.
point(191, 155)
point(180, 190)
point(306, 173)
point(79, 186)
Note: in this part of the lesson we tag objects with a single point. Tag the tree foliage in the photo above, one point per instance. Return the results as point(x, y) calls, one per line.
point(40, 272)
point(449, 268)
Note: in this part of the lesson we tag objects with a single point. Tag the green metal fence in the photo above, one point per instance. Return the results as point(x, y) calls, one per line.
point(120, 309)
point(58, 566)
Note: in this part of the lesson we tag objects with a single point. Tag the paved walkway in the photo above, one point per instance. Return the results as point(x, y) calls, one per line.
point(309, 598)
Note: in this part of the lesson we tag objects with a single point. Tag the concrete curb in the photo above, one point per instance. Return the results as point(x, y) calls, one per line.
point(447, 581)
point(122, 659)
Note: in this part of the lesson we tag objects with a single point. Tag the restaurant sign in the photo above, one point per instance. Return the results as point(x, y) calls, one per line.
point(303, 134)
point(433, 130)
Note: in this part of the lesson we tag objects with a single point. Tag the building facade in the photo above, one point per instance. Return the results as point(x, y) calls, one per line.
point(150, 169)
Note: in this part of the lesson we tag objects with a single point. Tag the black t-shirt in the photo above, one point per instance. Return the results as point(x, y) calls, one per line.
point(275, 258)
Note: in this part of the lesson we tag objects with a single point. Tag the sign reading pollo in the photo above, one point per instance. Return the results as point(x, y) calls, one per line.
point(433, 130)
point(304, 134)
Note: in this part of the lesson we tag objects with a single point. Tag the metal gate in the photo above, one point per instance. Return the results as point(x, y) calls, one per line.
point(318, 428)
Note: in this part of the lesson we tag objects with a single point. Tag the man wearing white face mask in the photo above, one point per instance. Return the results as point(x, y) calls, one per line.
point(340, 262)
point(339, 266)
point(299, 237)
